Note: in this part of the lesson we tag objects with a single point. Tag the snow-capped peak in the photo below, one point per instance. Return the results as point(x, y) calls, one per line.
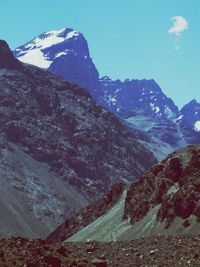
point(33, 52)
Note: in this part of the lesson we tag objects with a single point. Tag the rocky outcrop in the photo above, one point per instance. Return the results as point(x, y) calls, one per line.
point(173, 185)
point(165, 200)
point(7, 59)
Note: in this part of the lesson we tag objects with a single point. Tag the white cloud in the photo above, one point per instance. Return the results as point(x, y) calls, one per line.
point(180, 24)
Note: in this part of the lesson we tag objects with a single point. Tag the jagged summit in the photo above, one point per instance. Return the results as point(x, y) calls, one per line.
point(37, 52)
point(63, 52)
point(137, 95)
point(7, 59)
point(66, 33)
point(192, 102)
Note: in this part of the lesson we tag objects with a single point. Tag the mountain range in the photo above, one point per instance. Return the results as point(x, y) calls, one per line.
point(141, 104)
point(84, 158)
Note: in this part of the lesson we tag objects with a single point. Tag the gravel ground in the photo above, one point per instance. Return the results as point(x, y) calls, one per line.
point(160, 251)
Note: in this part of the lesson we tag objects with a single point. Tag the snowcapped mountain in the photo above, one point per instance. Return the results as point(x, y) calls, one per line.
point(139, 95)
point(190, 115)
point(63, 52)
point(141, 104)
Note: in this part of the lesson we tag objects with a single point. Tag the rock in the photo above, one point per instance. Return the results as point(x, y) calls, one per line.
point(1, 254)
point(52, 261)
point(99, 263)
point(153, 251)
point(62, 251)
point(173, 169)
point(92, 248)
point(31, 264)
point(7, 59)
point(173, 184)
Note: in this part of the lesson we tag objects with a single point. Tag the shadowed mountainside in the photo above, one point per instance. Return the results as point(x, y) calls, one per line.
point(59, 149)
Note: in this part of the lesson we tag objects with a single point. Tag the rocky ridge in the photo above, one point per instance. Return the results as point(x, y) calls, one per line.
point(139, 95)
point(142, 103)
point(59, 149)
point(172, 186)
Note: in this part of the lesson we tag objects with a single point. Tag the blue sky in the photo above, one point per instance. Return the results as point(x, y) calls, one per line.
point(127, 39)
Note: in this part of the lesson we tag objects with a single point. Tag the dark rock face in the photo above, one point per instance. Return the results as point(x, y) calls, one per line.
point(77, 66)
point(80, 147)
point(7, 59)
point(174, 169)
point(48, 110)
point(173, 184)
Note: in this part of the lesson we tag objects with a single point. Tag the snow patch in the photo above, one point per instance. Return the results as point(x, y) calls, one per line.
point(179, 118)
point(37, 58)
point(33, 51)
point(61, 54)
point(168, 112)
point(155, 108)
point(72, 34)
point(197, 126)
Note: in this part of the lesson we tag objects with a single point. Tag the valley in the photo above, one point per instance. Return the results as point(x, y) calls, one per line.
point(99, 135)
